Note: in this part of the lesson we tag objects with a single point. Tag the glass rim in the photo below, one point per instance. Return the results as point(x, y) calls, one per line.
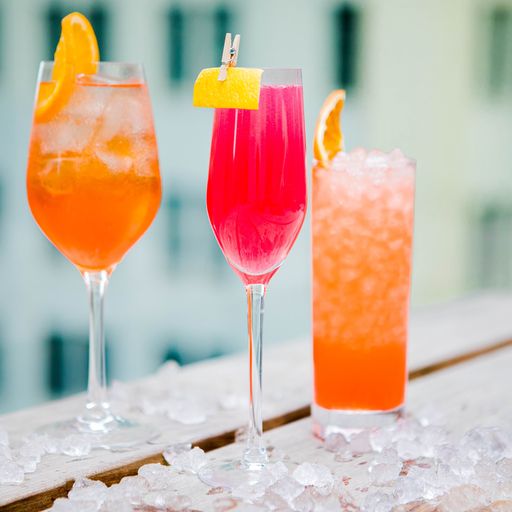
point(281, 69)
point(121, 72)
point(132, 63)
point(383, 152)
point(404, 159)
point(281, 76)
point(113, 62)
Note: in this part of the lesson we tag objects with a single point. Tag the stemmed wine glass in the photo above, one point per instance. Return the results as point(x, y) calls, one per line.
point(256, 202)
point(93, 185)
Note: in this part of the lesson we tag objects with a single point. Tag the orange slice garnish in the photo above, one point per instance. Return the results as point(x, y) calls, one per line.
point(77, 53)
point(328, 135)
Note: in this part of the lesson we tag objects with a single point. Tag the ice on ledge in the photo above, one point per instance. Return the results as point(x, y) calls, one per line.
point(162, 395)
point(151, 489)
point(20, 457)
point(170, 394)
point(157, 476)
point(166, 500)
point(315, 475)
point(287, 488)
point(85, 489)
point(382, 473)
point(231, 400)
point(416, 460)
point(76, 445)
point(473, 473)
point(277, 470)
point(190, 461)
point(11, 472)
point(4, 438)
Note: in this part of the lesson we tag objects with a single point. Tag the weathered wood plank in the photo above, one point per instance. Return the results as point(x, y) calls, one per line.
point(217, 377)
point(440, 335)
point(470, 325)
point(471, 394)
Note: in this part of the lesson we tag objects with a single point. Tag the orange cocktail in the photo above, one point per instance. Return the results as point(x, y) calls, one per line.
point(93, 186)
point(93, 179)
point(363, 205)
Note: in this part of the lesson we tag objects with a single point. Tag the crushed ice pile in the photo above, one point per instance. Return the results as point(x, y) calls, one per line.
point(417, 462)
point(165, 394)
point(21, 457)
point(161, 394)
point(182, 397)
point(411, 466)
point(151, 489)
point(414, 465)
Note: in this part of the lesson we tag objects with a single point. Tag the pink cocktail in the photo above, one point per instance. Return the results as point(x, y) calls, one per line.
point(257, 203)
point(256, 196)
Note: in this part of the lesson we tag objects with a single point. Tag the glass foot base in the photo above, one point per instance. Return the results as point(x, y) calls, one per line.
point(235, 476)
point(334, 421)
point(114, 433)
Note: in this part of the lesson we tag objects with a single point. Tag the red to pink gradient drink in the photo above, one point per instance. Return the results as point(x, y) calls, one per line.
point(256, 202)
point(256, 191)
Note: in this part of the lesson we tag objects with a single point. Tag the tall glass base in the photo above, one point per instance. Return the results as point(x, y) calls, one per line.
point(346, 422)
point(97, 425)
point(249, 471)
point(110, 432)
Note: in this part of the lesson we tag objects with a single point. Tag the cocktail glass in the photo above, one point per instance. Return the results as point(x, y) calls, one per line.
point(256, 202)
point(362, 227)
point(93, 185)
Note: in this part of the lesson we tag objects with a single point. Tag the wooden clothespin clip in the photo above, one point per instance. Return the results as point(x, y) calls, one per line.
point(229, 55)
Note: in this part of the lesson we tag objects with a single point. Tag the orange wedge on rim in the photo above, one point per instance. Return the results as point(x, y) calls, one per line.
point(77, 53)
point(328, 135)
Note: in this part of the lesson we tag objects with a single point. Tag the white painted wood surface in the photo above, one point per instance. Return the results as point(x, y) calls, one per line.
point(437, 333)
point(448, 330)
point(213, 379)
point(476, 393)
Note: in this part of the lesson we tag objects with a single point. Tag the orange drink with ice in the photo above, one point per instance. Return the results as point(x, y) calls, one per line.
point(362, 228)
point(93, 179)
point(93, 186)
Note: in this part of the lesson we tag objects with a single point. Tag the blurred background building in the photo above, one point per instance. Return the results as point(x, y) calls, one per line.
point(434, 78)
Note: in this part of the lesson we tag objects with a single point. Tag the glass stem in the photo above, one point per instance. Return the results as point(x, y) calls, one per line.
point(97, 412)
point(255, 455)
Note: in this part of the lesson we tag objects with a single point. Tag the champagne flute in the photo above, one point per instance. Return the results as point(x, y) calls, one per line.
point(256, 202)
